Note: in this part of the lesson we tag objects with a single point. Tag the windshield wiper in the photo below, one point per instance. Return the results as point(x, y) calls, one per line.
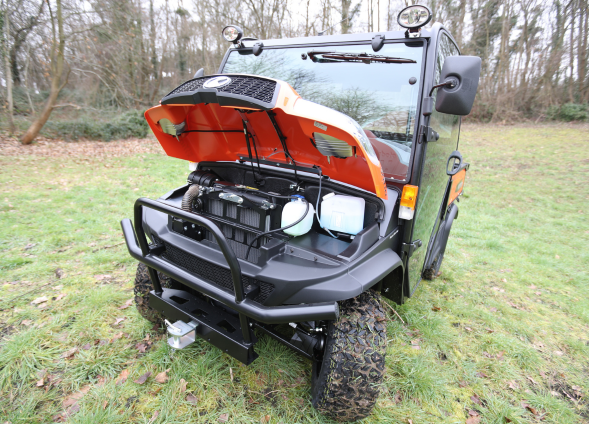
point(335, 57)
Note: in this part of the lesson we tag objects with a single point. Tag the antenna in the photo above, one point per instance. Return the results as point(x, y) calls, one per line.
point(325, 30)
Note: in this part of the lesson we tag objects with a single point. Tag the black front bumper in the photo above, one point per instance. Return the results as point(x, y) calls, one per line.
point(238, 300)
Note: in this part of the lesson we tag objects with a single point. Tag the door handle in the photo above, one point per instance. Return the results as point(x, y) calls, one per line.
point(456, 159)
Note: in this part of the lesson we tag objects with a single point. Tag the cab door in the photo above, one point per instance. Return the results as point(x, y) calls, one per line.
point(434, 180)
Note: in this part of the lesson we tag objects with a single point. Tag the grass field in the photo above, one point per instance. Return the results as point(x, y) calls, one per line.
point(502, 336)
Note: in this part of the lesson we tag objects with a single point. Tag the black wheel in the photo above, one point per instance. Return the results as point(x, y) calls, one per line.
point(142, 288)
point(346, 380)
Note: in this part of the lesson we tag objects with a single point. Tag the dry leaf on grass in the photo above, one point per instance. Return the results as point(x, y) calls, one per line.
point(70, 353)
point(104, 404)
point(122, 377)
point(190, 398)
point(60, 296)
point(481, 375)
point(265, 419)
point(530, 408)
point(143, 378)
point(101, 277)
point(473, 420)
point(39, 300)
point(153, 417)
point(182, 385)
point(162, 377)
point(41, 375)
point(87, 346)
point(476, 399)
point(126, 305)
point(223, 418)
point(27, 322)
point(513, 385)
point(57, 288)
point(75, 397)
point(119, 320)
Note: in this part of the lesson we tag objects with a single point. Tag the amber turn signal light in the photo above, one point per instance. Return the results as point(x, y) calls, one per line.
point(408, 200)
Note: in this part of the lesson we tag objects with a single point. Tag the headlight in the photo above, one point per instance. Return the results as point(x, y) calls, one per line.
point(414, 16)
point(361, 136)
point(232, 33)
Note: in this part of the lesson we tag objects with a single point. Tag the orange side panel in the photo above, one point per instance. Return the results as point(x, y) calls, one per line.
point(457, 186)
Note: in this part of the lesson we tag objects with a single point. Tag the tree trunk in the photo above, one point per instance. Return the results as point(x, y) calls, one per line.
point(57, 63)
point(572, 53)
point(8, 71)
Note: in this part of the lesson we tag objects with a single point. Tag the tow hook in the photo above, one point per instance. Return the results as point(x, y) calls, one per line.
point(181, 333)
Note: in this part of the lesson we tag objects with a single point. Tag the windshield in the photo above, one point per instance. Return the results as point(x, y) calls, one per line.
point(380, 96)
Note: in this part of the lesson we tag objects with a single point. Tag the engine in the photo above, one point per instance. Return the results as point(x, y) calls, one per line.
point(241, 212)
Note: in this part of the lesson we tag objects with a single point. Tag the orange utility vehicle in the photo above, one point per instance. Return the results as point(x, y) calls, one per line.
point(325, 174)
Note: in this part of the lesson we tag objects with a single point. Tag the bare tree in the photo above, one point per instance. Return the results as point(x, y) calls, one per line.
point(57, 70)
point(8, 69)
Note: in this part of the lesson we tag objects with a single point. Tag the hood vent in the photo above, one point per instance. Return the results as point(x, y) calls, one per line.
point(331, 146)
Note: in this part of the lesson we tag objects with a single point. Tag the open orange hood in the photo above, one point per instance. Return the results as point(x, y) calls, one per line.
point(211, 113)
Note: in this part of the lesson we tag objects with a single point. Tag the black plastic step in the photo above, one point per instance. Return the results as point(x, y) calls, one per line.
point(215, 324)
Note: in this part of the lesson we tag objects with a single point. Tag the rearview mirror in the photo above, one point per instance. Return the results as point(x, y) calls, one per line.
point(458, 98)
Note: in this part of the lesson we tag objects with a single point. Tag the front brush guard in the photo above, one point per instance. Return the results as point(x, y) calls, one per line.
point(149, 255)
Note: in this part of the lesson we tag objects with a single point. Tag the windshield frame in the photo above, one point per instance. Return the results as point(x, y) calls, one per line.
point(367, 43)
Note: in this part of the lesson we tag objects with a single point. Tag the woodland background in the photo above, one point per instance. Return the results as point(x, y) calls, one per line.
point(89, 68)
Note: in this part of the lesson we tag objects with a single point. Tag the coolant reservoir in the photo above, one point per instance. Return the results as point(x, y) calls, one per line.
point(344, 214)
point(292, 212)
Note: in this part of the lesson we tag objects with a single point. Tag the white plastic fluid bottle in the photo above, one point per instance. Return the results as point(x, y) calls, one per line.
point(292, 212)
point(342, 213)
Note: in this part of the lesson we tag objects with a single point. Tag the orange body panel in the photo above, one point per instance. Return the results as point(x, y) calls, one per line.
point(296, 118)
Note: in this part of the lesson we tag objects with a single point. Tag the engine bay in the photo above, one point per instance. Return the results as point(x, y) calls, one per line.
point(270, 209)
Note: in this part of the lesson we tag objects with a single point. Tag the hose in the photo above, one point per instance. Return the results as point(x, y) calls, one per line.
point(188, 199)
point(247, 253)
point(317, 206)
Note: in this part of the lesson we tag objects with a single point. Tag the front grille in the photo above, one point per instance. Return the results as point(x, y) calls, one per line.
point(239, 240)
point(213, 273)
point(258, 88)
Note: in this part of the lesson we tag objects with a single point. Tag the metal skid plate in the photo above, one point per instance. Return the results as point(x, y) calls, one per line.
point(214, 324)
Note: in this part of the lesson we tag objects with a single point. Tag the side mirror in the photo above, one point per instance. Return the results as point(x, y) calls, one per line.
point(457, 98)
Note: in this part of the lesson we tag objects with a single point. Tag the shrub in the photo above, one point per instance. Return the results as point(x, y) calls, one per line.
point(130, 124)
point(569, 112)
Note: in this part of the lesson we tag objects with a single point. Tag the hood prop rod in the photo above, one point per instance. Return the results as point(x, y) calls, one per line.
point(282, 138)
point(249, 132)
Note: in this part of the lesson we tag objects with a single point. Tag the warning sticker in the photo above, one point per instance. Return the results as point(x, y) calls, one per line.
point(320, 125)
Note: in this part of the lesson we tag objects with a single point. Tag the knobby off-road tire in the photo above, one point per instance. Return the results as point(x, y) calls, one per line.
point(346, 383)
point(142, 288)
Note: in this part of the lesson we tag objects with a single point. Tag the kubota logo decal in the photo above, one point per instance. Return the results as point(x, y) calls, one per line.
point(217, 82)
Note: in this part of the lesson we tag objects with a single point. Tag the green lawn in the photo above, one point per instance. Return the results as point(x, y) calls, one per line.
point(501, 336)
